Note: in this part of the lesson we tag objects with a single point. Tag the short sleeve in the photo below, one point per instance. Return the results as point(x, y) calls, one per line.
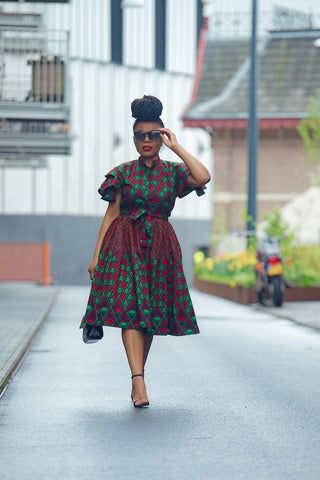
point(112, 183)
point(182, 189)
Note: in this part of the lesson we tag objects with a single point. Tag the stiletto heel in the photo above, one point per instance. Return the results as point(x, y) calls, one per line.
point(141, 405)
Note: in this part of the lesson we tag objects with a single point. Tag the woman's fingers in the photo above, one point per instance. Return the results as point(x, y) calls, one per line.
point(166, 132)
point(91, 268)
point(168, 137)
point(90, 273)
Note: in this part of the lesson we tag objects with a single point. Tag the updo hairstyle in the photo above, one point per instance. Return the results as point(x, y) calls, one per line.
point(147, 109)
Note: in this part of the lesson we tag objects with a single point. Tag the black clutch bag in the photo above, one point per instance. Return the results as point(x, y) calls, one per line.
point(91, 333)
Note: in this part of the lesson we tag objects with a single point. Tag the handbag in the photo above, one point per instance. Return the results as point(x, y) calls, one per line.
point(91, 333)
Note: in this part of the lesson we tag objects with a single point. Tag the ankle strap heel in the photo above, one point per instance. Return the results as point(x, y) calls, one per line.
point(145, 401)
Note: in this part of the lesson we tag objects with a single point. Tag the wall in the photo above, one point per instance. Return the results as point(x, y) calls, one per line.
point(73, 239)
point(101, 129)
point(281, 173)
point(59, 202)
point(101, 94)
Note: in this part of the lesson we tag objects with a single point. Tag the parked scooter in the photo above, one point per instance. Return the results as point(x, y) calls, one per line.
point(269, 271)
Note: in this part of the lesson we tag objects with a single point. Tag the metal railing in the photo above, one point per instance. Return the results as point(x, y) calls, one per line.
point(33, 65)
point(34, 100)
point(238, 24)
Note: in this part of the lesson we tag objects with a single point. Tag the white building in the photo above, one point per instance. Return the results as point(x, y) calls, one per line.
point(110, 56)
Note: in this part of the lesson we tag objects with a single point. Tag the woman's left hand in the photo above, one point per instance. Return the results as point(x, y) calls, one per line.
point(199, 174)
point(168, 137)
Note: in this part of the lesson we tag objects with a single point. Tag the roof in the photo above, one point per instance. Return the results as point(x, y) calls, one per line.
point(288, 73)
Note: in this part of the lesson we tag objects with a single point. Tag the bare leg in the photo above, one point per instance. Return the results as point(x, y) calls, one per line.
point(134, 344)
point(147, 344)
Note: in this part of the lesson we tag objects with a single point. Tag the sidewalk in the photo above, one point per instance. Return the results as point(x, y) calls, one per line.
point(303, 313)
point(25, 306)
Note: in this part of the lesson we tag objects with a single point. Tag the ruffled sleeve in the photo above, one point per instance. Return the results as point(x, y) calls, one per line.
point(112, 183)
point(182, 188)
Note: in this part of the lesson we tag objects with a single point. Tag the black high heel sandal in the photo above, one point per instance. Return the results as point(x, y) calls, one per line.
point(138, 375)
point(141, 405)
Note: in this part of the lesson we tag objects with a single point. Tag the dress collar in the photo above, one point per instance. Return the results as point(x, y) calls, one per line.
point(154, 164)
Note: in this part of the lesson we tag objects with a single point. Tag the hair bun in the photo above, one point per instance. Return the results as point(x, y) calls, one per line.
point(147, 108)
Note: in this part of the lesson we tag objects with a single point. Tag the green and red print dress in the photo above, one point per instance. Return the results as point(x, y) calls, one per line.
point(139, 281)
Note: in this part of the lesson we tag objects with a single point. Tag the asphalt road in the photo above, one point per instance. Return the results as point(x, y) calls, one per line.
point(239, 401)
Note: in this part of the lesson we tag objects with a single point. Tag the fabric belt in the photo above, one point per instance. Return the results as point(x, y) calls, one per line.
point(147, 225)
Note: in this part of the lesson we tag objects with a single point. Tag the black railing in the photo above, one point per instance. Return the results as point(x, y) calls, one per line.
point(33, 65)
point(238, 24)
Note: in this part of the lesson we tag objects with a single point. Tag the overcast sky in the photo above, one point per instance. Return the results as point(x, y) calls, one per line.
point(245, 5)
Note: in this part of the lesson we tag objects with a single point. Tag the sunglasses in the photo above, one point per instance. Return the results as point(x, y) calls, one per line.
point(153, 135)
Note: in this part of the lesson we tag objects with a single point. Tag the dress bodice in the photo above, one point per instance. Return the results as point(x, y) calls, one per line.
point(147, 190)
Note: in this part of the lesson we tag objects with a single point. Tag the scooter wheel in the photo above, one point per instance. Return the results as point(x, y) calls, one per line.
point(277, 292)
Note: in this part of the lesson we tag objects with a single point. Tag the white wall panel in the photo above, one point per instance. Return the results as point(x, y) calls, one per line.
point(58, 185)
point(139, 31)
point(101, 94)
point(41, 191)
point(181, 35)
point(89, 24)
point(102, 132)
point(18, 193)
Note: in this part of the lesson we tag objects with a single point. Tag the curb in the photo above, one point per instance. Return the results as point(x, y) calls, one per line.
point(21, 350)
point(284, 316)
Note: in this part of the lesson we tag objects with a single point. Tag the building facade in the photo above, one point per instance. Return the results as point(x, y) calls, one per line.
point(288, 74)
point(108, 57)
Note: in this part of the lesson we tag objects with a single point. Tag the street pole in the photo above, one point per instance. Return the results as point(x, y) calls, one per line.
point(253, 128)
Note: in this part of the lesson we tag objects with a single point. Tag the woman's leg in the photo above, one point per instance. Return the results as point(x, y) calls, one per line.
point(134, 343)
point(147, 344)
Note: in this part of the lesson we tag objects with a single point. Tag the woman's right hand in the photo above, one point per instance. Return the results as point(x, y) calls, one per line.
point(92, 266)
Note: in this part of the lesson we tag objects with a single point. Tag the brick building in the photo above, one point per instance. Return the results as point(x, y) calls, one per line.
point(289, 72)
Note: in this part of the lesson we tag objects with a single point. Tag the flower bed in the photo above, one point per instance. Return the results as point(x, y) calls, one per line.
point(232, 276)
point(238, 293)
point(231, 269)
point(247, 295)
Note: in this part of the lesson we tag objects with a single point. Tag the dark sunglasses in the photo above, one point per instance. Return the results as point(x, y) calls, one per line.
point(153, 135)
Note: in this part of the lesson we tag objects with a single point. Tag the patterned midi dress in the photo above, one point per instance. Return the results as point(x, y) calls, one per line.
point(139, 282)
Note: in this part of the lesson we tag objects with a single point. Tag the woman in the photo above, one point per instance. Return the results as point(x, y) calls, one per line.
point(137, 277)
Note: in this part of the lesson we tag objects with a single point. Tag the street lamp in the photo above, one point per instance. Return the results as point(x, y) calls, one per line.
point(253, 129)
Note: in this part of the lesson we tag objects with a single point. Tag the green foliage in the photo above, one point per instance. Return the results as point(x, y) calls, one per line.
point(301, 264)
point(309, 130)
point(232, 269)
point(302, 268)
point(276, 226)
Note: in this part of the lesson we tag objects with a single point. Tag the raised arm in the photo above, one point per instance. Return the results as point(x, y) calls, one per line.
point(199, 174)
point(113, 211)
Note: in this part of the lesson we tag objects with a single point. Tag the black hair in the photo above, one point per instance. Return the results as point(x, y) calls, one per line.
point(147, 109)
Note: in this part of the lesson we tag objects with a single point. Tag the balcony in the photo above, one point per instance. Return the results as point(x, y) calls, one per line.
point(34, 92)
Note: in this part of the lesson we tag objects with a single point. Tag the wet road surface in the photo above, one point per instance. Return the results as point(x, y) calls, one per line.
point(239, 401)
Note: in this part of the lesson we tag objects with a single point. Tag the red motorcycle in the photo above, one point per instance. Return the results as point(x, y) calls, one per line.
point(270, 284)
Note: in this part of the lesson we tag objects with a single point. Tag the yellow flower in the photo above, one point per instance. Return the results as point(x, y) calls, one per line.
point(231, 267)
point(239, 265)
point(209, 263)
point(198, 257)
point(253, 260)
point(232, 284)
